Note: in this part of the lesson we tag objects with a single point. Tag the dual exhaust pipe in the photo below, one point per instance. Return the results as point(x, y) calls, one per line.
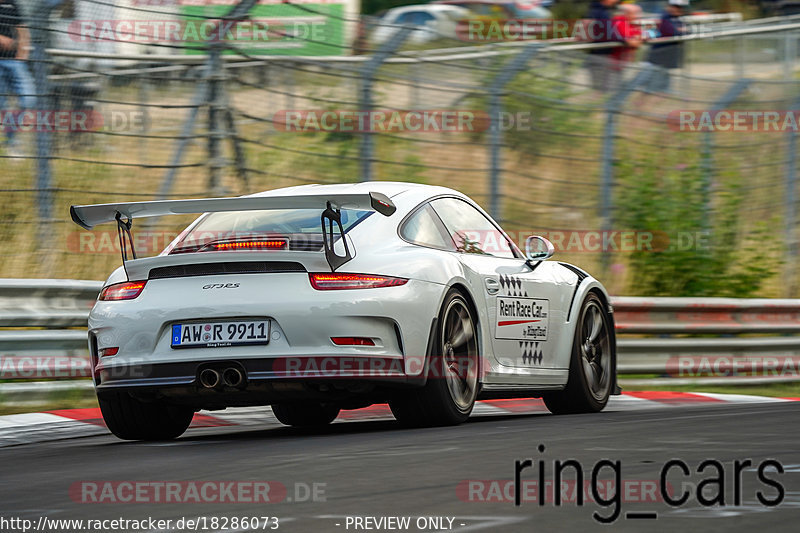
point(229, 377)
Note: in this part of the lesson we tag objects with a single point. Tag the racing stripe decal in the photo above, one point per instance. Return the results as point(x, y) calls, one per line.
point(531, 352)
point(512, 286)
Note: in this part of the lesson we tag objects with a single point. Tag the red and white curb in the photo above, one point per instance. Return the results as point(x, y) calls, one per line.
point(70, 423)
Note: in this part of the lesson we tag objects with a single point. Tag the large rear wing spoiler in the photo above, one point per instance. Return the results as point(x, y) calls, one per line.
point(89, 216)
point(330, 206)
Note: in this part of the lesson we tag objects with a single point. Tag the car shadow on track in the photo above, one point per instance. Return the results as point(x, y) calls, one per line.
point(342, 428)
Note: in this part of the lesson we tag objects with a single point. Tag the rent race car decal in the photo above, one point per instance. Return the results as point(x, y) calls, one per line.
point(523, 319)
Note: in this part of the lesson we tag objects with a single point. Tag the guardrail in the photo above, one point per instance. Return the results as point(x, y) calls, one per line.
point(681, 340)
point(699, 340)
point(46, 303)
point(51, 350)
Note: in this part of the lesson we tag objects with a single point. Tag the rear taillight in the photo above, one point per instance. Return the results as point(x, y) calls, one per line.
point(352, 341)
point(123, 291)
point(335, 281)
point(106, 352)
point(271, 244)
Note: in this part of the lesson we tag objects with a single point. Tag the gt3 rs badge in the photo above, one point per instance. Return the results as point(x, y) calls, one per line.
point(523, 319)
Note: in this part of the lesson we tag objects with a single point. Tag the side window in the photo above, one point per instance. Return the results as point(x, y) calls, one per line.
point(421, 18)
point(422, 228)
point(472, 232)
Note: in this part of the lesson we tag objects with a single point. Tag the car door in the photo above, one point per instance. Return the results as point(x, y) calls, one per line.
point(525, 305)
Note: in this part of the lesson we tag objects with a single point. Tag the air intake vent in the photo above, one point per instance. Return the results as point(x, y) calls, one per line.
point(213, 269)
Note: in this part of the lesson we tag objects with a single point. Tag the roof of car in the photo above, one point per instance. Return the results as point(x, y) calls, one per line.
point(422, 7)
point(389, 188)
point(461, 2)
point(456, 2)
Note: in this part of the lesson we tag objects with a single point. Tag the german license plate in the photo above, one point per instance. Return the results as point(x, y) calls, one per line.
point(220, 334)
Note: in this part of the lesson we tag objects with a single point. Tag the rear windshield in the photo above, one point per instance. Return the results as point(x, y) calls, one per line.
point(277, 229)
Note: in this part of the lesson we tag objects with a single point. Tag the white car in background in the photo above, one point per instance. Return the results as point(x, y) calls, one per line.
point(503, 9)
point(431, 22)
point(318, 298)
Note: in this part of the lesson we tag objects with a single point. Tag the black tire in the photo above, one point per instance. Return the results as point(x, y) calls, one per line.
point(452, 384)
point(305, 415)
point(592, 365)
point(131, 419)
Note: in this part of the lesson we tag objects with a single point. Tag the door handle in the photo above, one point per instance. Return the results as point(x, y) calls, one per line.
point(492, 286)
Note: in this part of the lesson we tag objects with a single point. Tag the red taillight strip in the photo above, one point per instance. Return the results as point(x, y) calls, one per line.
point(106, 352)
point(127, 290)
point(333, 281)
point(353, 341)
point(250, 245)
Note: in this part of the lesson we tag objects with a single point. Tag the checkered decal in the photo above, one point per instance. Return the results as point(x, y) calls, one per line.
point(531, 353)
point(512, 285)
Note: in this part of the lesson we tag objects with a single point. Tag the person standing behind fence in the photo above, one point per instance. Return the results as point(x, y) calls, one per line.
point(14, 76)
point(599, 31)
point(667, 56)
point(626, 30)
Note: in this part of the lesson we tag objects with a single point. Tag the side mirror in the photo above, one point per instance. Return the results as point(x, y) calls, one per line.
point(538, 248)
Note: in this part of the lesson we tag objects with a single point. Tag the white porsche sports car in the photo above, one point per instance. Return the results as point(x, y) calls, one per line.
point(318, 298)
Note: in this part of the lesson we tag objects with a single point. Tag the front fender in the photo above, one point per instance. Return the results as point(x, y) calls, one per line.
point(584, 284)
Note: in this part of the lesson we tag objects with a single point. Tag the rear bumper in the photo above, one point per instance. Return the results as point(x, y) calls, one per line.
point(302, 319)
point(317, 369)
point(344, 380)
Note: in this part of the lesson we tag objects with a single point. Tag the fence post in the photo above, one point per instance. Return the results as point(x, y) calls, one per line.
point(790, 195)
point(288, 84)
point(211, 91)
point(365, 94)
point(789, 54)
point(413, 89)
point(232, 133)
point(40, 37)
point(689, 47)
point(496, 87)
point(144, 97)
point(613, 107)
point(216, 108)
point(739, 54)
point(708, 146)
point(200, 96)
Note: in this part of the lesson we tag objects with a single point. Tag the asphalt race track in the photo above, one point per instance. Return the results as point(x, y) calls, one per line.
point(376, 469)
